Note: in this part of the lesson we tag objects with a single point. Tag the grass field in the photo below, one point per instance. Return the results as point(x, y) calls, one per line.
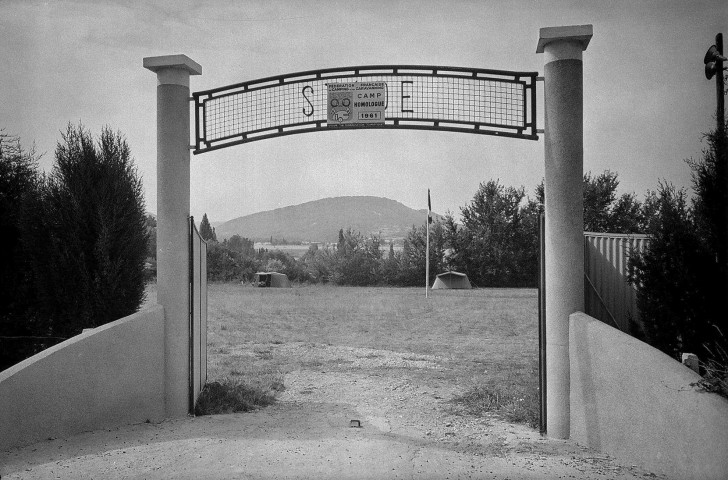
point(488, 336)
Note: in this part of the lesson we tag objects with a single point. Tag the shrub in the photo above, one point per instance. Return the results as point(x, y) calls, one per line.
point(513, 403)
point(231, 396)
point(715, 378)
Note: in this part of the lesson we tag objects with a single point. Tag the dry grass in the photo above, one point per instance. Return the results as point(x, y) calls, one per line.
point(232, 396)
point(490, 336)
point(490, 325)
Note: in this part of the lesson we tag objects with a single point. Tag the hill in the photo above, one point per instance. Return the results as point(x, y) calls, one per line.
point(320, 220)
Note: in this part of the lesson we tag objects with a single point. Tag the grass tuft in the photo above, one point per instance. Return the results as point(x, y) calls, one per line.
point(715, 377)
point(512, 403)
point(232, 396)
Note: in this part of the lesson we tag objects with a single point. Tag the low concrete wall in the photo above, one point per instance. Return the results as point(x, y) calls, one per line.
point(109, 376)
point(632, 401)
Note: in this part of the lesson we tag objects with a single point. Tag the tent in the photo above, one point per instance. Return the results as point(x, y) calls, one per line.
point(272, 279)
point(451, 280)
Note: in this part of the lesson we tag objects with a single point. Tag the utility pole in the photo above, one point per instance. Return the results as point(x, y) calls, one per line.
point(714, 67)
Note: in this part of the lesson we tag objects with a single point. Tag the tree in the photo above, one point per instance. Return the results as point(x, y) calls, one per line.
point(234, 259)
point(275, 265)
point(222, 264)
point(150, 269)
point(151, 227)
point(241, 245)
point(603, 211)
point(412, 259)
point(599, 195)
point(318, 263)
point(19, 179)
point(711, 196)
point(206, 231)
point(671, 291)
point(495, 246)
point(390, 266)
point(358, 259)
point(627, 215)
point(340, 245)
point(456, 242)
point(437, 250)
point(86, 234)
point(682, 274)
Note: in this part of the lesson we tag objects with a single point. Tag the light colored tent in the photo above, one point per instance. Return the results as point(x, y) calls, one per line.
point(451, 280)
point(272, 279)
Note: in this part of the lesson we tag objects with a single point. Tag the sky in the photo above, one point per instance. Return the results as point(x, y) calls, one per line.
point(647, 102)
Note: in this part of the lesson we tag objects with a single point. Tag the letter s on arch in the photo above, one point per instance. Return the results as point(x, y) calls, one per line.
point(303, 92)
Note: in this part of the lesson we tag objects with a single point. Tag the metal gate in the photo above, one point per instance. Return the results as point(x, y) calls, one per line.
point(198, 314)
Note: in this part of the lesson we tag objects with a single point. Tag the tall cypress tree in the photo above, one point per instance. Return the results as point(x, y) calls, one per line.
point(206, 231)
point(18, 185)
point(86, 234)
point(682, 274)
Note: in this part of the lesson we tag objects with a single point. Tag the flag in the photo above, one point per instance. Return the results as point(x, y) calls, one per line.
point(429, 207)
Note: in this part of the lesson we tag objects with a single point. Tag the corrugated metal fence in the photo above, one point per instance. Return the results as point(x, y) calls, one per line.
point(607, 295)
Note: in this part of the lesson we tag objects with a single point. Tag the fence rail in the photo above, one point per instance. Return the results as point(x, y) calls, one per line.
point(607, 295)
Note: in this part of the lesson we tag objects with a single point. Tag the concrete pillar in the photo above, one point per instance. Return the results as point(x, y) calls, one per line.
point(564, 243)
point(173, 210)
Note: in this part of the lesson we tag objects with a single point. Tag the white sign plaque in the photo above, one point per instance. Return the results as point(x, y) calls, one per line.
point(356, 103)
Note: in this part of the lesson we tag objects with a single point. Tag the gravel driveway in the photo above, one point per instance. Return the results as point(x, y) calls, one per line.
point(408, 430)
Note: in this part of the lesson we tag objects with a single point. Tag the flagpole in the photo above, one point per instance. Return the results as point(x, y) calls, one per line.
point(427, 248)
point(427, 259)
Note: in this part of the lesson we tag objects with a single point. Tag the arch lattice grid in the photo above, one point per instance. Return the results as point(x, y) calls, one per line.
point(489, 102)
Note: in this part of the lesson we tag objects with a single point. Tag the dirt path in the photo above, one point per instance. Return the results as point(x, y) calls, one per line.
point(408, 431)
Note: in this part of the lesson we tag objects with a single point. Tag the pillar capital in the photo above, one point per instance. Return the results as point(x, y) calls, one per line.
point(173, 69)
point(563, 43)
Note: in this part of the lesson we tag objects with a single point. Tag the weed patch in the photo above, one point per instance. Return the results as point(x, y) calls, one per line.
point(512, 403)
point(232, 396)
point(715, 378)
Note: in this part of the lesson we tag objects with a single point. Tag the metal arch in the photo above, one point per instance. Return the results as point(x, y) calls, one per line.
point(441, 98)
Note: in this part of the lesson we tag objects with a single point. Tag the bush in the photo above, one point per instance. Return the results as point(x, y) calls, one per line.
point(512, 403)
point(715, 378)
point(230, 396)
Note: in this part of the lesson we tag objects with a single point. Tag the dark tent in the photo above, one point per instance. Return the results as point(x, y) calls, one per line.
point(272, 279)
point(451, 280)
